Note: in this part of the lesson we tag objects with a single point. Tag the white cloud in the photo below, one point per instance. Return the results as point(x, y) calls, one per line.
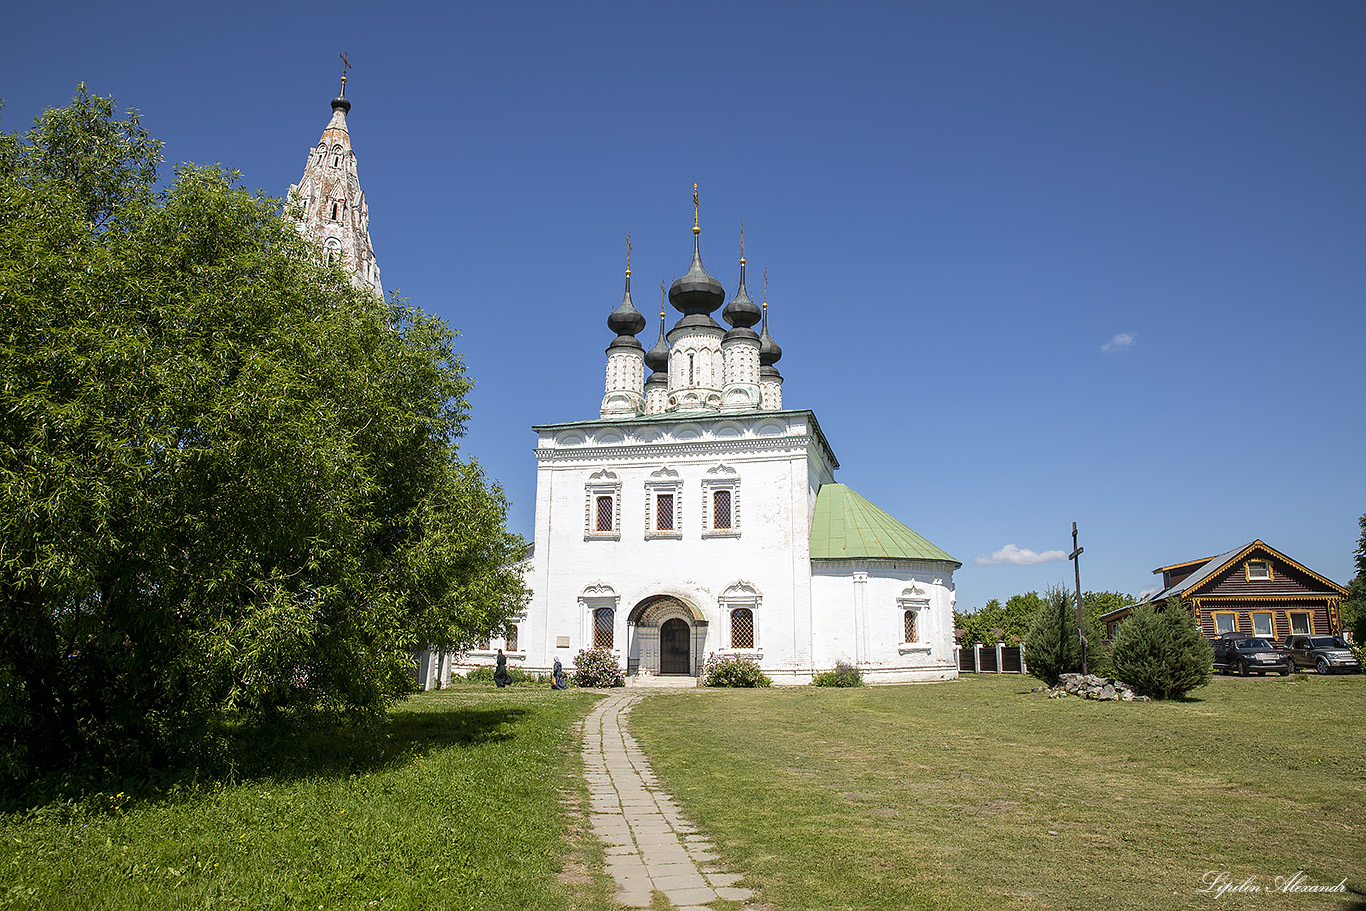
point(1121, 341)
point(1148, 591)
point(1020, 556)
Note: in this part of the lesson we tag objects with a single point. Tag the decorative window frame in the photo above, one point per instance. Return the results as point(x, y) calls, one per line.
point(1214, 618)
point(1271, 617)
point(1290, 616)
point(604, 483)
point(595, 596)
point(915, 599)
point(1270, 573)
point(666, 481)
point(741, 594)
point(722, 477)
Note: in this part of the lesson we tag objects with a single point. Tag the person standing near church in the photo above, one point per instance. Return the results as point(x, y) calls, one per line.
point(557, 677)
point(501, 676)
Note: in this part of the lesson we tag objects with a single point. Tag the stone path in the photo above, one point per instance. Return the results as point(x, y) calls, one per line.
point(649, 843)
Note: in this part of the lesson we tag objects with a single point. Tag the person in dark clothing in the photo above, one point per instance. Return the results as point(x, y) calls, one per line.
point(501, 676)
point(557, 677)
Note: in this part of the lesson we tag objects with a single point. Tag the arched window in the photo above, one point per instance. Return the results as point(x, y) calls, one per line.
point(910, 627)
point(334, 211)
point(742, 628)
point(603, 620)
point(720, 509)
point(510, 637)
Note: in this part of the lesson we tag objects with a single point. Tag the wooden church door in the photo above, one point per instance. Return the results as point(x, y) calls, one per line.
point(674, 656)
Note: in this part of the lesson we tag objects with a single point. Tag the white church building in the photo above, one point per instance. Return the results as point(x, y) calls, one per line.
point(695, 515)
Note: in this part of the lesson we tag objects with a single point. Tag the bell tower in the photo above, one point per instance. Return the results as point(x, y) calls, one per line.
point(327, 203)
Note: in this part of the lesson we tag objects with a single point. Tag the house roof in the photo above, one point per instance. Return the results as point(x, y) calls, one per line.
point(848, 527)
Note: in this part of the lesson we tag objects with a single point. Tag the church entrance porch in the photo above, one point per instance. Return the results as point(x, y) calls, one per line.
point(666, 636)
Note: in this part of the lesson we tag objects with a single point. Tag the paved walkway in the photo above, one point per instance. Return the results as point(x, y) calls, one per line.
point(649, 843)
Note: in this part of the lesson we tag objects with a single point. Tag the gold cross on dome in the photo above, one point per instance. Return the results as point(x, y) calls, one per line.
point(628, 252)
point(346, 65)
point(694, 205)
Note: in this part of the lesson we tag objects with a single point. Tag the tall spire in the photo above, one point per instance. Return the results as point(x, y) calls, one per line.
point(331, 208)
point(626, 320)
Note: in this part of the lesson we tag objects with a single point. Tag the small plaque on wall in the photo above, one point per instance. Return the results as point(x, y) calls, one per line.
point(562, 642)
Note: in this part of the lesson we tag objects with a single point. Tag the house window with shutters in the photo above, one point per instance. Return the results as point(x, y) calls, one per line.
point(602, 511)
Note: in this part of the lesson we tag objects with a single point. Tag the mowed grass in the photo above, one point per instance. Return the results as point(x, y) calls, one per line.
point(458, 803)
point(980, 794)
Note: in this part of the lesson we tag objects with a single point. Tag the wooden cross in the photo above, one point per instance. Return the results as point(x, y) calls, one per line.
point(1074, 556)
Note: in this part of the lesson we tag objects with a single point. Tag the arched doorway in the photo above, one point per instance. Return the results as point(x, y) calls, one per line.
point(667, 635)
point(675, 654)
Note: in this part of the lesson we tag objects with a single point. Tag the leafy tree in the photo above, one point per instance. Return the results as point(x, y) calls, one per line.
point(229, 481)
point(1354, 608)
point(1162, 653)
point(1012, 620)
point(1095, 604)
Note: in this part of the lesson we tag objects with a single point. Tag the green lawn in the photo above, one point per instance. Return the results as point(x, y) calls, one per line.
point(980, 794)
point(456, 804)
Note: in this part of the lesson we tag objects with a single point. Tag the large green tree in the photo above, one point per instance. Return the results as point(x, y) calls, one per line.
point(229, 480)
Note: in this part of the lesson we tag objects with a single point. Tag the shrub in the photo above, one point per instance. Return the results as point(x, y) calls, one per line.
point(733, 670)
point(597, 667)
point(1162, 653)
point(1053, 648)
point(484, 675)
point(843, 675)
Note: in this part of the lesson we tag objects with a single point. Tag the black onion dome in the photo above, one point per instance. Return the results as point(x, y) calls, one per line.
point(341, 102)
point(741, 312)
point(657, 358)
point(626, 320)
point(696, 294)
point(769, 352)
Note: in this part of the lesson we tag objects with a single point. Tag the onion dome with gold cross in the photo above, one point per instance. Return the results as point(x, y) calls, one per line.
point(696, 295)
point(626, 320)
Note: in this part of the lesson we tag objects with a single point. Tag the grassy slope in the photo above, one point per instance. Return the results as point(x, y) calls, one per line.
point(947, 796)
point(456, 805)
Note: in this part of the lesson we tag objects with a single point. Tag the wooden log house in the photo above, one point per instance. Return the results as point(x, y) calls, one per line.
point(1255, 590)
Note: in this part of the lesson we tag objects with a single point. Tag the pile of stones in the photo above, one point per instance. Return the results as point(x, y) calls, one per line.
point(1089, 686)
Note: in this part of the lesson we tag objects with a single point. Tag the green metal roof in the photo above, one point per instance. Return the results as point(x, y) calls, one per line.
point(848, 527)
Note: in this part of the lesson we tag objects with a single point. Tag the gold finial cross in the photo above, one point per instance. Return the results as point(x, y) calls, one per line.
point(346, 65)
point(742, 241)
point(765, 289)
point(694, 205)
point(628, 252)
point(661, 298)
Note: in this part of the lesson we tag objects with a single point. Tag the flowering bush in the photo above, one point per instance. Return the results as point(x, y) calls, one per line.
point(842, 675)
point(733, 670)
point(597, 667)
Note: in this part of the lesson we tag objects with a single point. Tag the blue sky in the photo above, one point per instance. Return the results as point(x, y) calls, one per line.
point(1029, 263)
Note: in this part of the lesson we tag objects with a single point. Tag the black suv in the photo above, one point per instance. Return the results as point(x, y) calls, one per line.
point(1239, 653)
point(1329, 654)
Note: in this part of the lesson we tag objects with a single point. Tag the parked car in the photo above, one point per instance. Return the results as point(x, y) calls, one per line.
point(1327, 654)
point(1239, 653)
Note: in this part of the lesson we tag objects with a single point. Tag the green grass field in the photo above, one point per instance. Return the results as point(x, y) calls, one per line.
point(979, 794)
point(456, 804)
point(973, 794)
